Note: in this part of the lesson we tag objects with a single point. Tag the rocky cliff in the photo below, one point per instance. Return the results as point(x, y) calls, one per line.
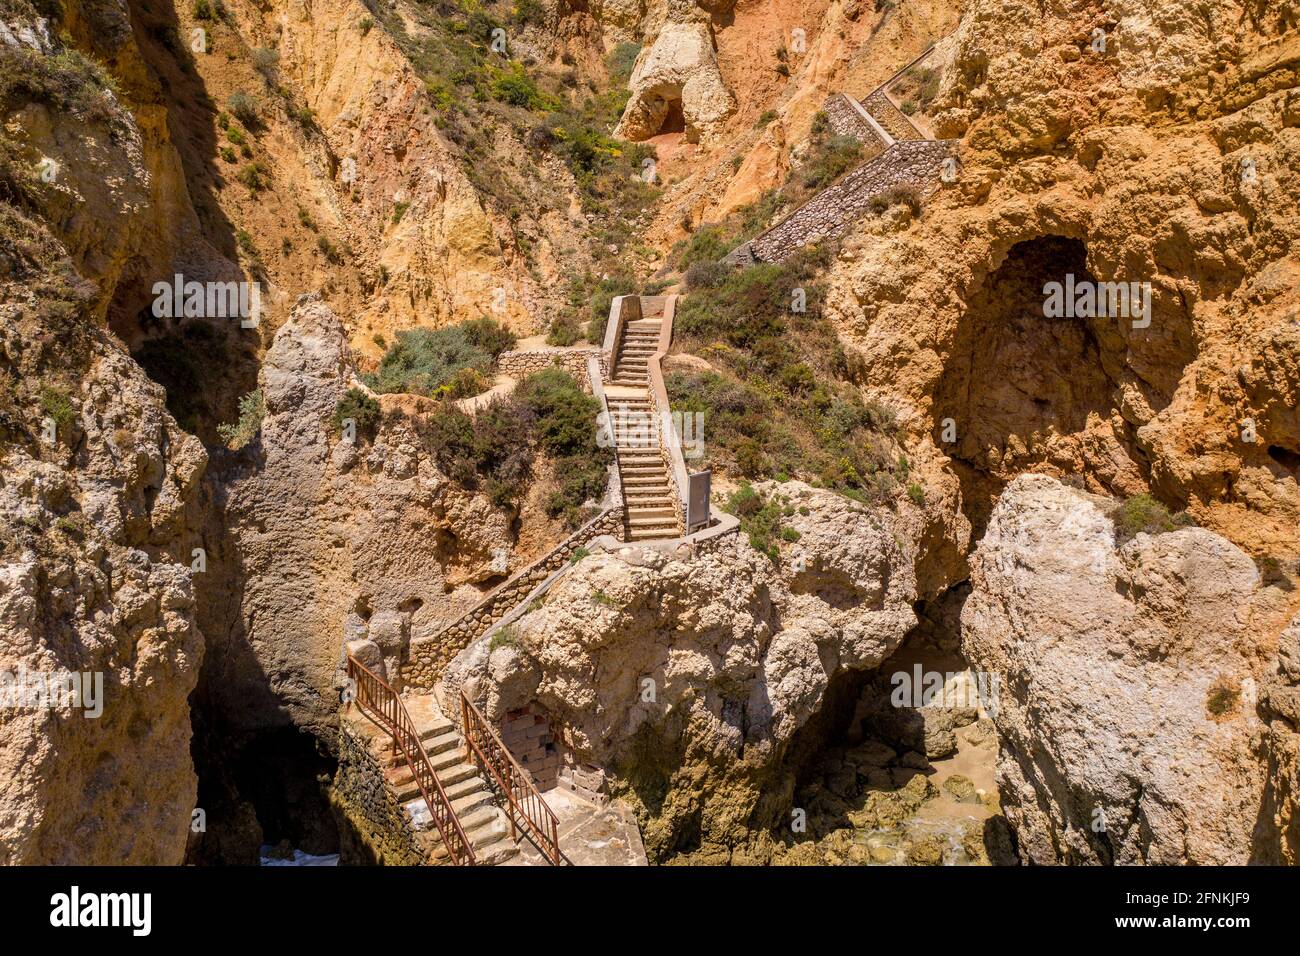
point(1130, 676)
point(687, 676)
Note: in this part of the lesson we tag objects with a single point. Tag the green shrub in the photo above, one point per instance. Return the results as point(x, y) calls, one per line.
point(503, 637)
point(265, 61)
point(253, 176)
point(245, 429)
point(564, 331)
point(66, 80)
point(620, 62)
point(760, 521)
point(359, 406)
point(708, 244)
point(564, 424)
point(517, 89)
point(489, 335)
point(1143, 513)
point(916, 494)
point(491, 450)
point(56, 404)
point(209, 11)
point(244, 108)
point(529, 12)
point(422, 360)
point(365, 25)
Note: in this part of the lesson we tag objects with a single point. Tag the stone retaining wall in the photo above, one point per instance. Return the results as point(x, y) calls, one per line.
point(375, 828)
point(428, 658)
point(831, 212)
point(521, 363)
point(894, 120)
point(845, 120)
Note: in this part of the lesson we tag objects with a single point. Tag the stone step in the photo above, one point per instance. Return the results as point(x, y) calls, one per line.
point(483, 828)
point(643, 471)
point(653, 534)
point(651, 509)
point(641, 482)
point(644, 493)
point(448, 759)
point(454, 785)
point(626, 382)
point(465, 797)
point(645, 510)
point(653, 520)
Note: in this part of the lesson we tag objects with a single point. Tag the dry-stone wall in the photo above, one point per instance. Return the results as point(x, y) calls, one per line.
point(428, 658)
point(846, 120)
point(830, 213)
point(524, 362)
point(375, 827)
point(894, 120)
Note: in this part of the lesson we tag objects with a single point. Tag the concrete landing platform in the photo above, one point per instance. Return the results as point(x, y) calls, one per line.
point(589, 835)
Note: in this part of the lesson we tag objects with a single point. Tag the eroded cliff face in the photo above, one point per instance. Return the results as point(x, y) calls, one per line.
point(1129, 682)
point(97, 499)
point(1129, 166)
point(317, 539)
point(686, 677)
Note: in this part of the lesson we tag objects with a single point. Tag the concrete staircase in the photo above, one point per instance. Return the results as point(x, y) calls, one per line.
point(485, 824)
point(650, 510)
point(631, 364)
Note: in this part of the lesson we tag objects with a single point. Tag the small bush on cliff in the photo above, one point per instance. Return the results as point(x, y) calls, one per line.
point(1143, 513)
point(564, 331)
point(56, 404)
point(245, 429)
point(245, 108)
point(361, 409)
point(491, 450)
point(67, 80)
point(489, 335)
point(620, 62)
point(760, 521)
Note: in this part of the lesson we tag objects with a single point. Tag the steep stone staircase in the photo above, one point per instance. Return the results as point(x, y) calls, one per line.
point(650, 506)
point(485, 824)
point(897, 154)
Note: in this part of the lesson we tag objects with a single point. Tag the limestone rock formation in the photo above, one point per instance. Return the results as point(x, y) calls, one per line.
point(96, 499)
point(1114, 166)
point(317, 539)
point(1127, 676)
point(677, 85)
point(690, 675)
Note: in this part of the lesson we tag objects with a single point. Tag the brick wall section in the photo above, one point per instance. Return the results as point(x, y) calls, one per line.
point(429, 657)
point(522, 363)
point(831, 212)
point(847, 121)
point(527, 735)
point(894, 120)
point(375, 828)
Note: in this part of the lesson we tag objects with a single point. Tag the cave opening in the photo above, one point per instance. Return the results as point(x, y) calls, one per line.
point(1025, 388)
point(268, 788)
point(674, 120)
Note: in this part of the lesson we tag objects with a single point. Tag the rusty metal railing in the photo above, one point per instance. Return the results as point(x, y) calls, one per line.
point(381, 704)
point(525, 806)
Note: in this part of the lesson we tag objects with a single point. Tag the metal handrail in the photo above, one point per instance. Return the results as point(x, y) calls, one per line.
point(384, 707)
point(522, 798)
